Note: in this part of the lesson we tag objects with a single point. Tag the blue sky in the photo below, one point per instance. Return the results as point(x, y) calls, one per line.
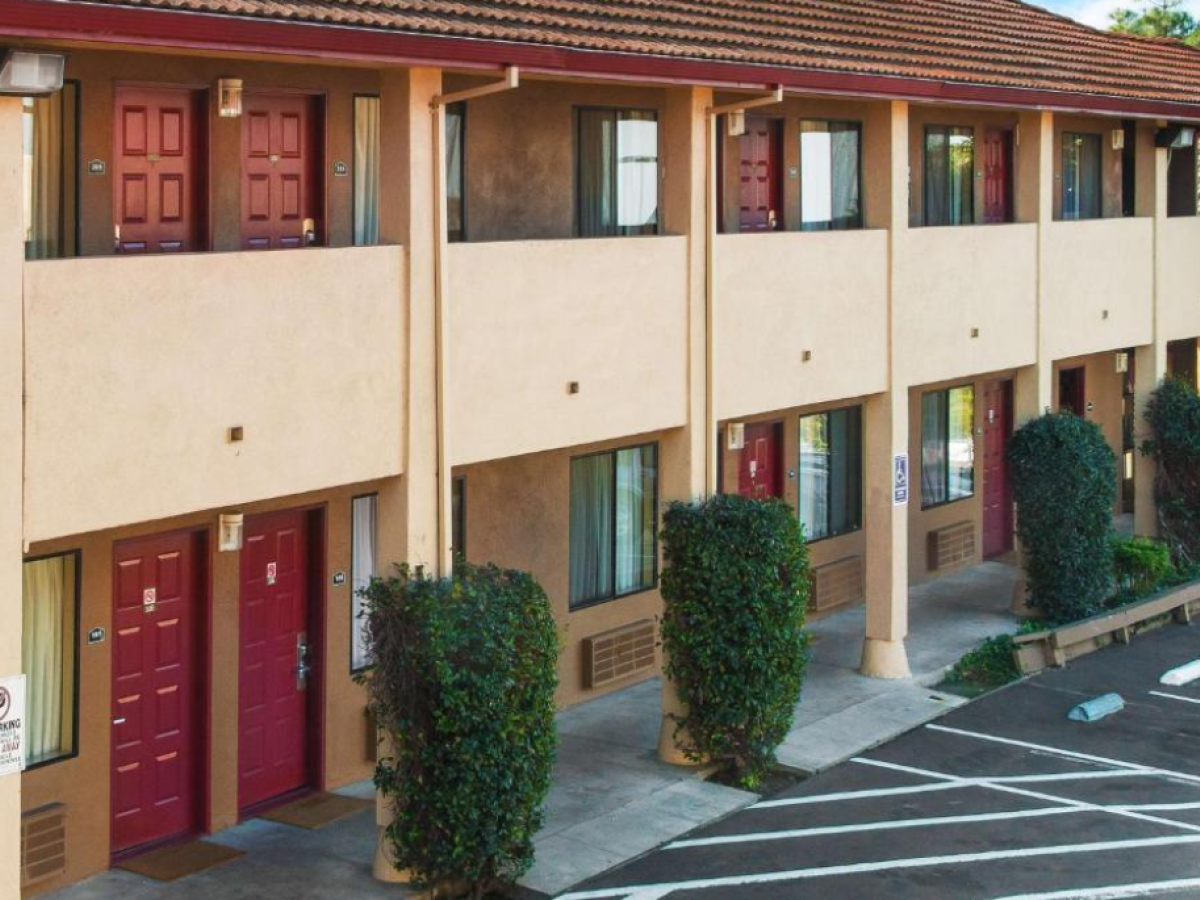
point(1095, 12)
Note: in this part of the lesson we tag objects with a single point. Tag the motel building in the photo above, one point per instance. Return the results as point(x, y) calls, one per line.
point(291, 291)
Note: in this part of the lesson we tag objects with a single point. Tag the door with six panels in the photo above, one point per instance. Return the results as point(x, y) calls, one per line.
point(283, 195)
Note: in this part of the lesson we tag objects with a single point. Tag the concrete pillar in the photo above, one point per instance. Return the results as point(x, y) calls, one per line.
point(883, 654)
point(12, 256)
point(688, 463)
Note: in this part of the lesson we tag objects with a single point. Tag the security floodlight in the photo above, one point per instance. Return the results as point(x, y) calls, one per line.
point(29, 74)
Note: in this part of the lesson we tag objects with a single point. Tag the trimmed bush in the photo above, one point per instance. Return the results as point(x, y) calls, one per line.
point(462, 688)
point(1141, 565)
point(735, 585)
point(1174, 415)
point(1064, 483)
point(988, 666)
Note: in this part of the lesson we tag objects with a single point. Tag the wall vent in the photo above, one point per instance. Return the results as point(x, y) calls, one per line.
point(837, 584)
point(43, 844)
point(612, 655)
point(951, 547)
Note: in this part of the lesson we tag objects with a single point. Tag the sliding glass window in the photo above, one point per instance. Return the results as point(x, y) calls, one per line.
point(830, 175)
point(947, 445)
point(366, 171)
point(50, 142)
point(617, 178)
point(614, 511)
point(456, 173)
point(49, 638)
point(1080, 176)
point(831, 473)
point(364, 565)
point(949, 175)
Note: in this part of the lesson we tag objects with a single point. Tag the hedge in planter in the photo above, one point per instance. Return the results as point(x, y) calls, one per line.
point(1064, 482)
point(735, 584)
point(462, 687)
point(1174, 414)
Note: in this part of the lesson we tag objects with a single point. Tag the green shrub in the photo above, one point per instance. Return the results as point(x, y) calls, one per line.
point(988, 666)
point(1173, 414)
point(1064, 483)
point(735, 584)
point(1141, 565)
point(462, 688)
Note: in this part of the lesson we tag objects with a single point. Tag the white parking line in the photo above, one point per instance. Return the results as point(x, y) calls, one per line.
point(1175, 697)
point(893, 825)
point(660, 890)
point(1156, 807)
point(1113, 892)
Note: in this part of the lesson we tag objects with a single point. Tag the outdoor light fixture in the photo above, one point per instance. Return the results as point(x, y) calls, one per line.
point(1175, 137)
point(1122, 361)
point(229, 98)
point(31, 74)
point(229, 532)
point(1118, 139)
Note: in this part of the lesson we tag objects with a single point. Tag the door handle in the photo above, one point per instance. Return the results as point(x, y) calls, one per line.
point(303, 669)
point(120, 721)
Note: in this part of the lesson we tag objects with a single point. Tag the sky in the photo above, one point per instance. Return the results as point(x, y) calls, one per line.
point(1095, 12)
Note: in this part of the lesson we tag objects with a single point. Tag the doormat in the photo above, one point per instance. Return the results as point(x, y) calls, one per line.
point(317, 810)
point(179, 861)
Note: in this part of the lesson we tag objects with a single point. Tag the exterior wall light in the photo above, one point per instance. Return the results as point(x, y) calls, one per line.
point(31, 74)
point(1118, 139)
point(229, 532)
point(229, 98)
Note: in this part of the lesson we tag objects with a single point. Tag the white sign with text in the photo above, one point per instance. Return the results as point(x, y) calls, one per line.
point(12, 724)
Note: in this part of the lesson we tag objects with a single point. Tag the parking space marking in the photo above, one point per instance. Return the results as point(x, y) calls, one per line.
point(1113, 892)
point(928, 822)
point(1156, 807)
point(658, 891)
point(1175, 697)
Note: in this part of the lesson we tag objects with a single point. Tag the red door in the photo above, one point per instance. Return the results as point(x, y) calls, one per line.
point(283, 195)
point(759, 471)
point(158, 170)
point(273, 680)
point(760, 182)
point(997, 176)
point(156, 747)
point(997, 492)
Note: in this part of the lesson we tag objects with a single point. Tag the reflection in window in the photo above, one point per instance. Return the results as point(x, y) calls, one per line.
point(1081, 176)
point(830, 165)
point(364, 550)
point(50, 138)
point(618, 172)
point(366, 171)
point(48, 640)
point(831, 473)
point(947, 445)
point(456, 174)
point(949, 175)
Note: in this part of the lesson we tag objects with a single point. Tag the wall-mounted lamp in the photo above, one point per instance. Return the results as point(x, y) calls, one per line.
point(229, 98)
point(229, 532)
point(1175, 137)
point(31, 74)
point(735, 436)
point(736, 123)
point(1118, 138)
point(1122, 361)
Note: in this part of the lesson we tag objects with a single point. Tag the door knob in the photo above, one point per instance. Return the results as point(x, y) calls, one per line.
point(120, 721)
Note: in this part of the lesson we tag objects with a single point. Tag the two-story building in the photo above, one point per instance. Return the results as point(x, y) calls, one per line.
point(291, 291)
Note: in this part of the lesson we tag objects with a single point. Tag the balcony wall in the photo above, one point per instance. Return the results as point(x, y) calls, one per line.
point(1098, 286)
point(949, 281)
point(779, 295)
point(136, 367)
point(527, 318)
point(1179, 278)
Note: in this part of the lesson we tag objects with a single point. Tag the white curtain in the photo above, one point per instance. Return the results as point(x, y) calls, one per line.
point(814, 476)
point(591, 528)
point(366, 171)
point(637, 170)
point(363, 550)
point(636, 487)
point(48, 587)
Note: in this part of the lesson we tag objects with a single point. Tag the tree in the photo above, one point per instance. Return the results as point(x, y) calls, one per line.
point(1156, 18)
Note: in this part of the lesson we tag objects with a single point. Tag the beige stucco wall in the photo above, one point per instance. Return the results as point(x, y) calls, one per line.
point(528, 318)
point(949, 281)
point(1179, 278)
point(1097, 286)
point(781, 294)
point(136, 368)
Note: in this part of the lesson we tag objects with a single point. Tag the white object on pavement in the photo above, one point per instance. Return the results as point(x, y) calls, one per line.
point(1182, 674)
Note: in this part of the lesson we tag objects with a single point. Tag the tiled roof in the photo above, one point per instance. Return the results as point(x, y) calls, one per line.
point(999, 43)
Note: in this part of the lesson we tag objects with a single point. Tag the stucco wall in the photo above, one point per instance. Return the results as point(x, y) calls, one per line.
point(528, 318)
point(1179, 278)
point(137, 367)
point(779, 295)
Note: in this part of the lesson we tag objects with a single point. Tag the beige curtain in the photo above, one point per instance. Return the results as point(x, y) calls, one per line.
point(366, 170)
point(43, 173)
point(48, 607)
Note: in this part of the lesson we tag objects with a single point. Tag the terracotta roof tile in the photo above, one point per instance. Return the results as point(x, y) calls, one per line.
point(1000, 43)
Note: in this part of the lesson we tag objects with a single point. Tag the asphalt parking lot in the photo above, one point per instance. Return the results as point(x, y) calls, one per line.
point(1005, 799)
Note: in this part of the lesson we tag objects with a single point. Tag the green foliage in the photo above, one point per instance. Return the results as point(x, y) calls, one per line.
point(1156, 18)
point(463, 690)
point(1141, 565)
point(735, 586)
point(1173, 414)
point(988, 666)
point(1064, 483)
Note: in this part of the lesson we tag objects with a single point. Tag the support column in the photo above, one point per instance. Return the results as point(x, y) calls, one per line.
point(883, 654)
point(688, 462)
point(12, 258)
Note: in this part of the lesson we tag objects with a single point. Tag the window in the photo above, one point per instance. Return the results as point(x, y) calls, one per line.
point(456, 174)
point(50, 140)
point(618, 172)
point(947, 445)
point(830, 175)
point(366, 171)
point(1181, 181)
point(1081, 176)
point(831, 473)
point(458, 517)
point(614, 511)
point(50, 625)
point(949, 175)
point(364, 518)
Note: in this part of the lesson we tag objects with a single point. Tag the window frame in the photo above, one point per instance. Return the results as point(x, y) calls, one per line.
point(577, 173)
point(458, 236)
point(861, 218)
point(353, 592)
point(949, 131)
point(946, 426)
point(459, 522)
point(572, 606)
point(831, 535)
point(1097, 140)
point(77, 624)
